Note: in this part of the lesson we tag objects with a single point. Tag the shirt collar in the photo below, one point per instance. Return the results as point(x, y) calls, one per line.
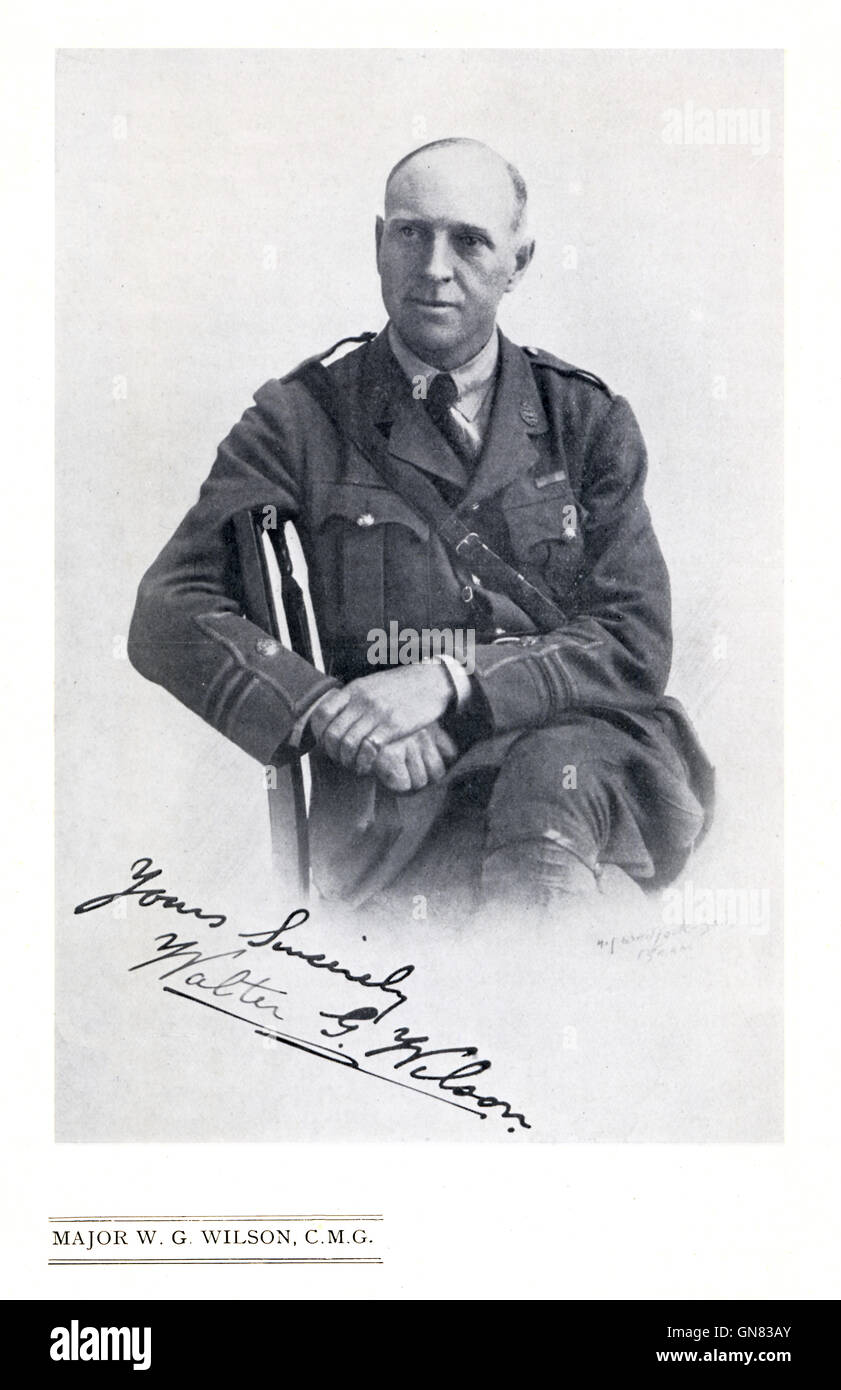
point(473, 379)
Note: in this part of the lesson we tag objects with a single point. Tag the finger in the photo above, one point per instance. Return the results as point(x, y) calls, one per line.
point(434, 763)
point(326, 709)
point(445, 745)
point(367, 753)
point(339, 727)
point(415, 764)
point(353, 739)
point(391, 770)
point(337, 723)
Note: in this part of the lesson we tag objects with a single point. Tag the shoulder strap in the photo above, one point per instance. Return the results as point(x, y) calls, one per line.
point(425, 499)
point(317, 357)
point(541, 358)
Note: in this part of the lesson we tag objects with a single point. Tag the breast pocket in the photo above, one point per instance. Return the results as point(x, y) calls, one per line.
point(372, 559)
point(546, 535)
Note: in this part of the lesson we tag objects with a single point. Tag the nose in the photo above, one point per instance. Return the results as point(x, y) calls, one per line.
point(438, 262)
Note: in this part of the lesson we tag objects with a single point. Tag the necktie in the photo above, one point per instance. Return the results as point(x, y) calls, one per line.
point(441, 396)
point(440, 399)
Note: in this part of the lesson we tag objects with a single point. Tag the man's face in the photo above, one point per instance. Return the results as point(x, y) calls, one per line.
point(446, 251)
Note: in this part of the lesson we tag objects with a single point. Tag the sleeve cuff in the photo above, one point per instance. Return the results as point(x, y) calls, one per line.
point(460, 680)
point(299, 727)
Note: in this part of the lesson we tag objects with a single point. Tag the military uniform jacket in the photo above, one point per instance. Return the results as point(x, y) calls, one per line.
point(558, 489)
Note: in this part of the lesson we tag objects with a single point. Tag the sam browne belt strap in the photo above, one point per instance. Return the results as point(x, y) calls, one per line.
point(421, 494)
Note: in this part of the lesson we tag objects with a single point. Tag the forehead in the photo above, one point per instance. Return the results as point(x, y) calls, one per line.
point(454, 185)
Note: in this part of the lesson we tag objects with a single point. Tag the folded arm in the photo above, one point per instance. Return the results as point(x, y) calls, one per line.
point(188, 631)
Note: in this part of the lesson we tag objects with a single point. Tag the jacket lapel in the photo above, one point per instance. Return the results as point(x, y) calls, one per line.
point(508, 451)
point(412, 435)
point(516, 416)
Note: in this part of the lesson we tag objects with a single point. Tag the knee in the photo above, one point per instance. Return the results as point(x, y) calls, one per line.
point(548, 791)
point(536, 871)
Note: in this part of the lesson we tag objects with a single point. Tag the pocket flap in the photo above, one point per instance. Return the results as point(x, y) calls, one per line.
point(364, 506)
point(551, 518)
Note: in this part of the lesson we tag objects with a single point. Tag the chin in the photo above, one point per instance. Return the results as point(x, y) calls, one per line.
point(426, 339)
point(435, 341)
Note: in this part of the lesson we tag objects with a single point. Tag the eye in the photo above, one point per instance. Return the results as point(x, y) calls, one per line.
point(408, 232)
point(470, 241)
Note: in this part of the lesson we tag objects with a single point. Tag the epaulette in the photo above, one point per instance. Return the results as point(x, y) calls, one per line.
point(540, 358)
point(322, 356)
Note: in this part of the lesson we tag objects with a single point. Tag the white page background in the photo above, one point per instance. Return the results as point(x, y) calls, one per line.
point(685, 1220)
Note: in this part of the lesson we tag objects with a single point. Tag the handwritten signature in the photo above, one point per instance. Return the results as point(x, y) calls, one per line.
point(242, 987)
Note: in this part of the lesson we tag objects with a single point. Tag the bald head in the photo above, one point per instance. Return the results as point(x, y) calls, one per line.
point(452, 242)
point(468, 159)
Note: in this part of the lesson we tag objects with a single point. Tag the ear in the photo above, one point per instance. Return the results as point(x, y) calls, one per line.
point(378, 237)
point(522, 261)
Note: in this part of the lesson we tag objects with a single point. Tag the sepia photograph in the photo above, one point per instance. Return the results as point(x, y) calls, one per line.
point(419, 728)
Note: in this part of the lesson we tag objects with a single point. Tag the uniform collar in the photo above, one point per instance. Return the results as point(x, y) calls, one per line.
point(473, 380)
point(517, 414)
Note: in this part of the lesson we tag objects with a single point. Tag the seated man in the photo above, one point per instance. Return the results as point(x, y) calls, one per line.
point(552, 752)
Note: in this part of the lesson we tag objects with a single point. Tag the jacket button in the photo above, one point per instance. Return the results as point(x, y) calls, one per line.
point(365, 519)
point(467, 593)
point(267, 646)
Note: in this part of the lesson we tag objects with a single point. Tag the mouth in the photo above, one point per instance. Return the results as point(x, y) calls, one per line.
point(435, 304)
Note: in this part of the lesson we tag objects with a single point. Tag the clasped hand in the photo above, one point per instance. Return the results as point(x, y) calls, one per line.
point(387, 724)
